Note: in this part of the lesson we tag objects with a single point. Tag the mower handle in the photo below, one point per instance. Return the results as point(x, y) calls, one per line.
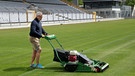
point(50, 37)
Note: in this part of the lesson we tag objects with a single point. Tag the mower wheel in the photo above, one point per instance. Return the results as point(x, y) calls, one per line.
point(71, 67)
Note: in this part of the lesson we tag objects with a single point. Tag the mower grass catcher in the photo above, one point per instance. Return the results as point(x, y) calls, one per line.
point(75, 61)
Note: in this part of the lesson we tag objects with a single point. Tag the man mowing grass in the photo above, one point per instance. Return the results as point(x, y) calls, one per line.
point(36, 32)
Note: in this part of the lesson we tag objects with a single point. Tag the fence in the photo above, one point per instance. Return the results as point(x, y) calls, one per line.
point(15, 16)
point(8, 15)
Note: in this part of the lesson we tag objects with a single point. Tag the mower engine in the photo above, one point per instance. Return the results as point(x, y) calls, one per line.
point(72, 58)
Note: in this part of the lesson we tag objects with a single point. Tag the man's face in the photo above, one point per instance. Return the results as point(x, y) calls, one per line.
point(39, 17)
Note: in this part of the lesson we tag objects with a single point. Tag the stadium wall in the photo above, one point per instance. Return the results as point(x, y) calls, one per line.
point(16, 17)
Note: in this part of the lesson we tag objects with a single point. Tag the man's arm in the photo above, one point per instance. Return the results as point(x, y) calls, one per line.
point(33, 29)
point(44, 32)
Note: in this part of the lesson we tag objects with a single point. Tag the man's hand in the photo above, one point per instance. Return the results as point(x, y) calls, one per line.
point(43, 36)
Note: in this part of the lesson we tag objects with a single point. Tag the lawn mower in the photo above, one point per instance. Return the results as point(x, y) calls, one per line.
point(72, 60)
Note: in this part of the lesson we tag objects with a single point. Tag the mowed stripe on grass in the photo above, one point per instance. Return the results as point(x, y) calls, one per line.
point(110, 41)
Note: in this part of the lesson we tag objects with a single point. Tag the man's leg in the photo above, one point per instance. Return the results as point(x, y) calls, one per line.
point(37, 59)
point(38, 56)
point(33, 57)
point(36, 52)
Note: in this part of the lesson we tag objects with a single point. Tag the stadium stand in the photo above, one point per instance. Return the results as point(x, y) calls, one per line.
point(19, 13)
point(11, 11)
point(46, 1)
point(54, 10)
point(59, 10)
point(12, 4)
point(54, 6)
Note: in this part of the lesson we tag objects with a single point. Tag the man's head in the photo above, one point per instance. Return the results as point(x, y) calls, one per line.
point(39, 15)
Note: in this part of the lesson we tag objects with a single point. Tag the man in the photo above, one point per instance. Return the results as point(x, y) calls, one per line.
point(36, 32)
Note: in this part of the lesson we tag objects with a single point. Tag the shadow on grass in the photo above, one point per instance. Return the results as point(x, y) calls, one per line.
point(55, 69)
point(61, 69)
point(24, 69)
point(30, 69)
point(47, 69)
point(19, 69)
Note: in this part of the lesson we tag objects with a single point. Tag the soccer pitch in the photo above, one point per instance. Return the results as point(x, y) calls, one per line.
point(109, 41)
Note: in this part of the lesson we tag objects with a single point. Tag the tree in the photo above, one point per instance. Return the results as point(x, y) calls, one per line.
point(130, 3)
point(80, 2)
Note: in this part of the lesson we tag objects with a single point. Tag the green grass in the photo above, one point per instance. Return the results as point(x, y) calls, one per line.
point(109, 41)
